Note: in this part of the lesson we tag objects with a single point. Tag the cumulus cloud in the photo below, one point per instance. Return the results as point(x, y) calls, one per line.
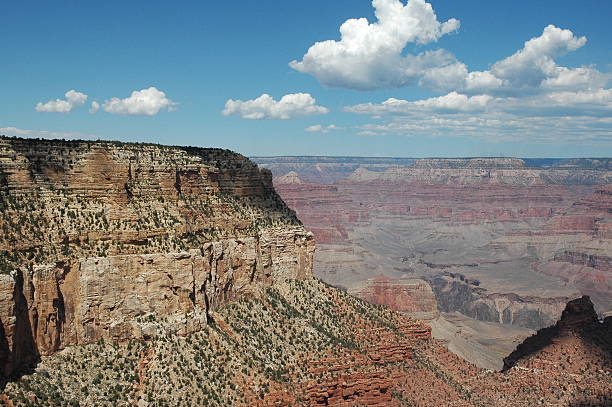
point(370, 55)
point(576, 78)
point(535, 62)
point(524, 96)
point(145, 102)
point(564, 116)
point(73, 100)
point(17, 132)
point(265, 107)
point(499, 127)
point(95, 106)
point(318, 128)
point(529, 70)
point(596, 102)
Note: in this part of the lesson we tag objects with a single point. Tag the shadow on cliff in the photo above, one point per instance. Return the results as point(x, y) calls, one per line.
point(579, 318)
point(22, 357)
point(604, 400)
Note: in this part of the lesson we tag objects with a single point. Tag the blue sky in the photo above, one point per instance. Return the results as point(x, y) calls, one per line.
point(444, 78)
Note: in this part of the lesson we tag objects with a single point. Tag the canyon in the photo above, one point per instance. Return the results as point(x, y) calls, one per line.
point(145, 275)
point(502, 241)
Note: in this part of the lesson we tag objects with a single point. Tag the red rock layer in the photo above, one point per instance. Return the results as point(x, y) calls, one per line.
point(330, 211)
point(400, 295)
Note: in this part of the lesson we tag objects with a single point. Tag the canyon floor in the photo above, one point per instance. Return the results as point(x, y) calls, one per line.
point(506, 242)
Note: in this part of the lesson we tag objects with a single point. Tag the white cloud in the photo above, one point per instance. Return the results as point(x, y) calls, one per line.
point(369, 133)
point(455, 102)
point(530, 69)
point(370, 56)
point(526, 96)
point(16, 132)
point(451, 103)
point(73, 100)
point(265, 107)
point(145, 102)
point(576, 78)
point(318, 128)
point(563, 116)
point(95, 106)
point(599, 97)
point(597, 103)
point(457, 77)
point(499, 127)
point(534, 63)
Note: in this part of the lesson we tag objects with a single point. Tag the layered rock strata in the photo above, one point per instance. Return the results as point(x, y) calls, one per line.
point(484, 244)
point(483, 171)
point(502, 241)
point(103, 239)
point(410, 296)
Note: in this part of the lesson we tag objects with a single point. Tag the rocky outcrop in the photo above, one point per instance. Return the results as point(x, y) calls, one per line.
point(366, 380)
point(373, 390)
point(402, 295)
point(111, 241)
point(327, 170)
point(585, 259)
point(291, 177)
point(511, 230)
point(578, 318)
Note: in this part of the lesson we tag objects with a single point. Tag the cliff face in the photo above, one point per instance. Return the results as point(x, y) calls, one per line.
point(504, 308)
point(101, 240)
point(526, 239)
point(414, 297)
point(501, 241)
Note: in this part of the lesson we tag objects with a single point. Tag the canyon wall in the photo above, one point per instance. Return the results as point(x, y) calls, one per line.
point(409, 296)
point(497, 240)
point(101, 239)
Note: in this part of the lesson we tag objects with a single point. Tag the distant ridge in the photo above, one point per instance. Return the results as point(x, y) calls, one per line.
point(470, 163)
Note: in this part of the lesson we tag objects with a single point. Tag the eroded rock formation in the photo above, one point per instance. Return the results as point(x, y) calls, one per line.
point(483, 232)
point(578, 319)
point(102, 239)
point(414, 297)
point(505, 241)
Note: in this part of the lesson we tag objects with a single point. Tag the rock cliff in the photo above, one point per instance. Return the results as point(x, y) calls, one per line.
point(413, 297)
point(578, 319)
point(308, 344)
point(102, 239)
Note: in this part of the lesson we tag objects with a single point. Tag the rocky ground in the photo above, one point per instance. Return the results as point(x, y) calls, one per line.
point(306, 343)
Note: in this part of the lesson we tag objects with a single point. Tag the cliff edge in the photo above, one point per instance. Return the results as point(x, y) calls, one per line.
point(102, 238)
